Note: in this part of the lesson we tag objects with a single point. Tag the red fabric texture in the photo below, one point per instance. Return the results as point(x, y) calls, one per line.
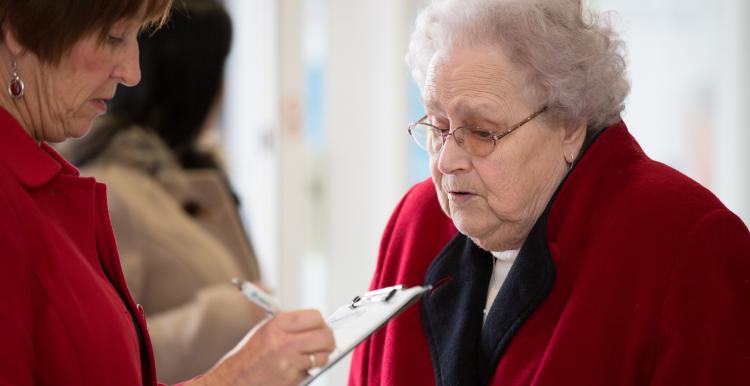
point(67, 317)
point(415, 233)
point(652, 283)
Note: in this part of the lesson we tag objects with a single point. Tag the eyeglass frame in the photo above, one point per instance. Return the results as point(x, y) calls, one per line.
point(495, 136)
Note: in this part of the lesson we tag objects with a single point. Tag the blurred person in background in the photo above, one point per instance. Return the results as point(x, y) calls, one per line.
point(174, 242)
point(561, 254)
point(68, 317)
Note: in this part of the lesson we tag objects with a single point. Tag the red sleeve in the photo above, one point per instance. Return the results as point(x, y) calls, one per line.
point(414, 235)
point(705, 325)
point(16, 280)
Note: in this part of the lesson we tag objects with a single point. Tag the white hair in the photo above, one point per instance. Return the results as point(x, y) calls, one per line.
point(571, 60)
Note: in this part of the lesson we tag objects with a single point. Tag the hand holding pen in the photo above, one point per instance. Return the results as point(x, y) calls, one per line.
point(279, 351)
point(256, 295)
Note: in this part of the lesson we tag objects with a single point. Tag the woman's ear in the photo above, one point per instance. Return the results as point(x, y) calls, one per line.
point(11, 41)
point(575, 135)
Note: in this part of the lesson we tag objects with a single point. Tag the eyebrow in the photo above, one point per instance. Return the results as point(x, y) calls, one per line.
point(485, 111)
point(432, 106)
point(464, 107)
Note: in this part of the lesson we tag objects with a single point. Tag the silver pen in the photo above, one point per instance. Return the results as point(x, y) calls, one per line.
point(256, 295)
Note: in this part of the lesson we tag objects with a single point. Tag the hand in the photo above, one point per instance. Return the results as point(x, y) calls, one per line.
point(276, 352)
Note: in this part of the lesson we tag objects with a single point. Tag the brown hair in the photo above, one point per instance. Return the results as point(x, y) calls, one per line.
point(49, 28)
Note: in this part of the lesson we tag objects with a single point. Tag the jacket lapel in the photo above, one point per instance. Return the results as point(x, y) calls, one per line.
point(528, 283)
point(452, 313)
point(464, 350)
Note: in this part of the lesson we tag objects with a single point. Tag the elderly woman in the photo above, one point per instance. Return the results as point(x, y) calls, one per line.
point(67, 316)
point(579, 260)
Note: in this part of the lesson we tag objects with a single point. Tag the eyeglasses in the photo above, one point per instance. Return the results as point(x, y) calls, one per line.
point(474, 140)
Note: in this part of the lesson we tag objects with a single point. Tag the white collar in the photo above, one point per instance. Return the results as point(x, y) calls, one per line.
point(505, 255)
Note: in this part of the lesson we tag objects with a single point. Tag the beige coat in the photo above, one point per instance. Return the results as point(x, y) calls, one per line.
point(174, 263)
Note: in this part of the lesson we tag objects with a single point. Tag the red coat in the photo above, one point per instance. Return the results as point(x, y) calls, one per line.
point(66, 317)
point(635, 275)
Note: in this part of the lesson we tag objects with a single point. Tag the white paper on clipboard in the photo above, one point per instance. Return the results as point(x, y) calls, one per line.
point(354, 322)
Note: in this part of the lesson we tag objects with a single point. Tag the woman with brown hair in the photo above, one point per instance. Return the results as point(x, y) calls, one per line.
point(67, 316)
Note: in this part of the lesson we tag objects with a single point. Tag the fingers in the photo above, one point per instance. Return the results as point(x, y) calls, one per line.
point(307, 338)
point(299, 321)
point(321, 359)
point(320, 340)
point(305, 362)
point(279, 352)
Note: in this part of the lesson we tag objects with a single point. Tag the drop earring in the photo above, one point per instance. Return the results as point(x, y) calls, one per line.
point(570, 162)
point(15, 86)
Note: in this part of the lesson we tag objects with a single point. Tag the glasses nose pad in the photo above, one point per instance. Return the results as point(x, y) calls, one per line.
point(457, 139)
point(458, 136)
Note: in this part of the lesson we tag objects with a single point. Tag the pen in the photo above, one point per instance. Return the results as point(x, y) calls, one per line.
point(256, 295)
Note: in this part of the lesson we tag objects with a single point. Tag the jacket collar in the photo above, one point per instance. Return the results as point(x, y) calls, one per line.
point(33, 164)
point(611, 151)
point(464, 350)
point(452, 312)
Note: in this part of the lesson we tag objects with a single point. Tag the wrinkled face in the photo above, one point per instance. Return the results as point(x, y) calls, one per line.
point(496, 199)
point(77, 90)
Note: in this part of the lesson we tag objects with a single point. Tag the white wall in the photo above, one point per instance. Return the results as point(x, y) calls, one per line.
point(251, 119)
point(318, 205)
point(688, 63)
point(732, 166)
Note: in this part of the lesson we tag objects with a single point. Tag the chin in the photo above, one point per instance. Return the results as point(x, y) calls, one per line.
point(472, 231)
point(79, 130)
point(493, 245)
point(488, 237)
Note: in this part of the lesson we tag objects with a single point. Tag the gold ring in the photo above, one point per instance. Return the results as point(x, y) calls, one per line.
point(313, 363)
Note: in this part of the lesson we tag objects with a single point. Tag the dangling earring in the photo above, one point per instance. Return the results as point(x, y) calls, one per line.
point(570, 162)
point(15, 86)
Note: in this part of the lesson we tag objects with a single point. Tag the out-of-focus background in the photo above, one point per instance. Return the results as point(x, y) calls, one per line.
point(318, 97)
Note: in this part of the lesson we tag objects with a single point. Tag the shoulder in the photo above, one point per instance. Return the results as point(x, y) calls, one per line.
point(617, 179)
point(655, 190)
point(16, 228)
point(419, 208)
point(419, 217)
point(617, 191)
point(421, 200)
point(417, 230)
point(12, 197)
point(8, 181)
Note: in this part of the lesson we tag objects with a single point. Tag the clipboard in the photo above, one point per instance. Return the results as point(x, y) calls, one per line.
point(354, 322)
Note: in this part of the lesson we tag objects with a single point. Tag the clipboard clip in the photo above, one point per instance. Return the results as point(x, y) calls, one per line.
point(382, 295)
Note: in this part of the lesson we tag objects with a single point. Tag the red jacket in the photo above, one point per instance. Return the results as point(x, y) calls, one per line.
point(635, 275)
point(66, 317)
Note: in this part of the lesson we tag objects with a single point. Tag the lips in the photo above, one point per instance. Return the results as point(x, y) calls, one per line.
point(453, 188)
point(460, 198)
point(459, 194)
point(100, 104)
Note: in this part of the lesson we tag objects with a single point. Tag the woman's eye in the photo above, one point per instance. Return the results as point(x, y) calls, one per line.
point(481, 134)
point(115, 39)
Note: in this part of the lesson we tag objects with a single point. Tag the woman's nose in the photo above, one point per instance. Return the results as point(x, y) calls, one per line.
point(452, 158)
point(128, 72)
